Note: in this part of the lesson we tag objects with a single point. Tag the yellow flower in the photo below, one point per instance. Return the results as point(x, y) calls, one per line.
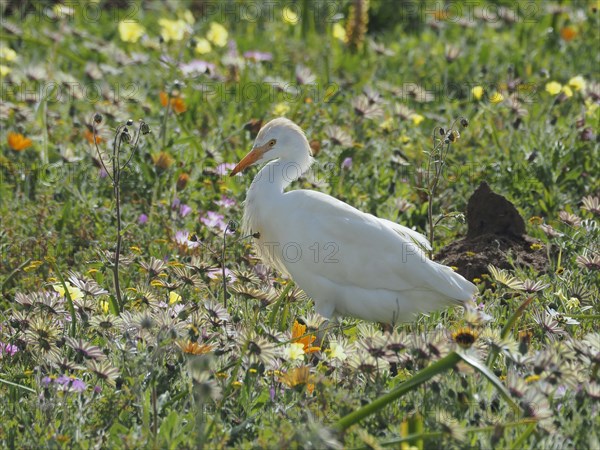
point(173, 30)
point(387, 124)
point(74, 292)
point(8, 54)
point(339, 32)
point(4, 70)
point(567, 91)
point(294, 351)
point(477, 92)
point(337, 351)
point(590, 107)
point(174, 297)
point(532, 378)
point(417, 118)
point(290, 16)
point(536, 246)
point(217, 34)
point(577, 83)
point(281, 109)
point(496, 97)
point(553, 87)
point(62, 11)
point(187, 16)
point(299, 336)
point(130, 31)
point(104, 306)
point(203, 46)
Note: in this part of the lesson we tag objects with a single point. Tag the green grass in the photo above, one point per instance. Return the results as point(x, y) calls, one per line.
point(83, 368)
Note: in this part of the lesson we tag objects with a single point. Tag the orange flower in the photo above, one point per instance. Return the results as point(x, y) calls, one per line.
point(89, 136)
point(177, 102)
point(193, 348)
point(568, 33)
point(297, 377)
point(18, 142)
point(162, 160)
point(298, 335)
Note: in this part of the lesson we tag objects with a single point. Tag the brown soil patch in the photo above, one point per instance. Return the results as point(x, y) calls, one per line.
point(496, 234)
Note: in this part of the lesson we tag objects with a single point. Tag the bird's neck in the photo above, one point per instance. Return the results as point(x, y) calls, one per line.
point(276, 175)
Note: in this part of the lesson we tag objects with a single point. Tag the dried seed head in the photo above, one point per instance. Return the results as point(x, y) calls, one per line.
point(125, 136)
point(129, 122)
point(232, 226)
point(145, 128)
point(464, 122)
point(442, 131)
point(98, 118)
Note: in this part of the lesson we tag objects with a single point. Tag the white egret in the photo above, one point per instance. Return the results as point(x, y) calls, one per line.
point(348, 262)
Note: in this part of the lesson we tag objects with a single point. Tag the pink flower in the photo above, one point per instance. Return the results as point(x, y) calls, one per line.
point(9, 349)
point(223, 169)
point(184, 210)
point(214, 274)
point(142, 219)
point(182, 239)
point(225, 202)
point(214, 220)
point(347, 163)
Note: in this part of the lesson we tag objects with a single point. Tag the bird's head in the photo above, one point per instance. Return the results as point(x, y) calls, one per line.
point(279, 139)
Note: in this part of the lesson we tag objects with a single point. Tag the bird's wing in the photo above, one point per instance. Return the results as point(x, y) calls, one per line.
point(349, 247)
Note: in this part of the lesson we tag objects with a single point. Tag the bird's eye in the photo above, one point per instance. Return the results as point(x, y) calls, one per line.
point(272, 142)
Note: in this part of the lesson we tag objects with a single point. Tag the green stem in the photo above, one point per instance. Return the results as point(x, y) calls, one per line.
point(421, 377)
point(20, 386)
point(68, 298)
point(279, 302)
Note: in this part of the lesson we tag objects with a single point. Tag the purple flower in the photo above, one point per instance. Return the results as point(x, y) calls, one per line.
point(184, 210)
point(182, 239)
point(347, 163)
point(77, 385)
point(258, 56)
point(225, 202)
point(197, 67)
point(214, 220)
point(224, 168)
point(63, 379)
point(46, 380)
point(9, 349)
point(103, 173)
point(176, 203)
point(97, 389)
point(272, 393)
point(142, 219)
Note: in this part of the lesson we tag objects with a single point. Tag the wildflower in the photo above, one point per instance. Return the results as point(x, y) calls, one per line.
point(536, 246)
point(84, 349)
point(174, 297)
point(104, 370)
point(364, 107)
point(74, 292)
point(259, 350)
point(290, 16)
point(417, 118)
point(182, 239)
point(8, 349)
point(577, 83)
point(184, 210)
point(496, 97)
point(570, 219)
point(203, 46)
point(568, 33)
point(162, 160)
point(194, 348)
point(591, 204)
point(465, 337)
point(177, 103)
point(347, 163)
point(217, 34)
point(337, 136)
point(299, 376)
point(337, 351)
point(281, 109)
point(7, 54)
point(213, 219)
point(130, 31)
point(339, 32)
point(142, 219)
point(531, 286)
point(257, 56)
point(299, 336)
point(18, 142)
point(4, 70)
point(173, 30)
point(591, 262)
point(553, 87)
point(477, 92)
point(294, 352)
point(566, 91)
point(225, 202)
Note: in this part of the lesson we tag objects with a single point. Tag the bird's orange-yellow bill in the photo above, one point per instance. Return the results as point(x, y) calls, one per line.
point(253, 156)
